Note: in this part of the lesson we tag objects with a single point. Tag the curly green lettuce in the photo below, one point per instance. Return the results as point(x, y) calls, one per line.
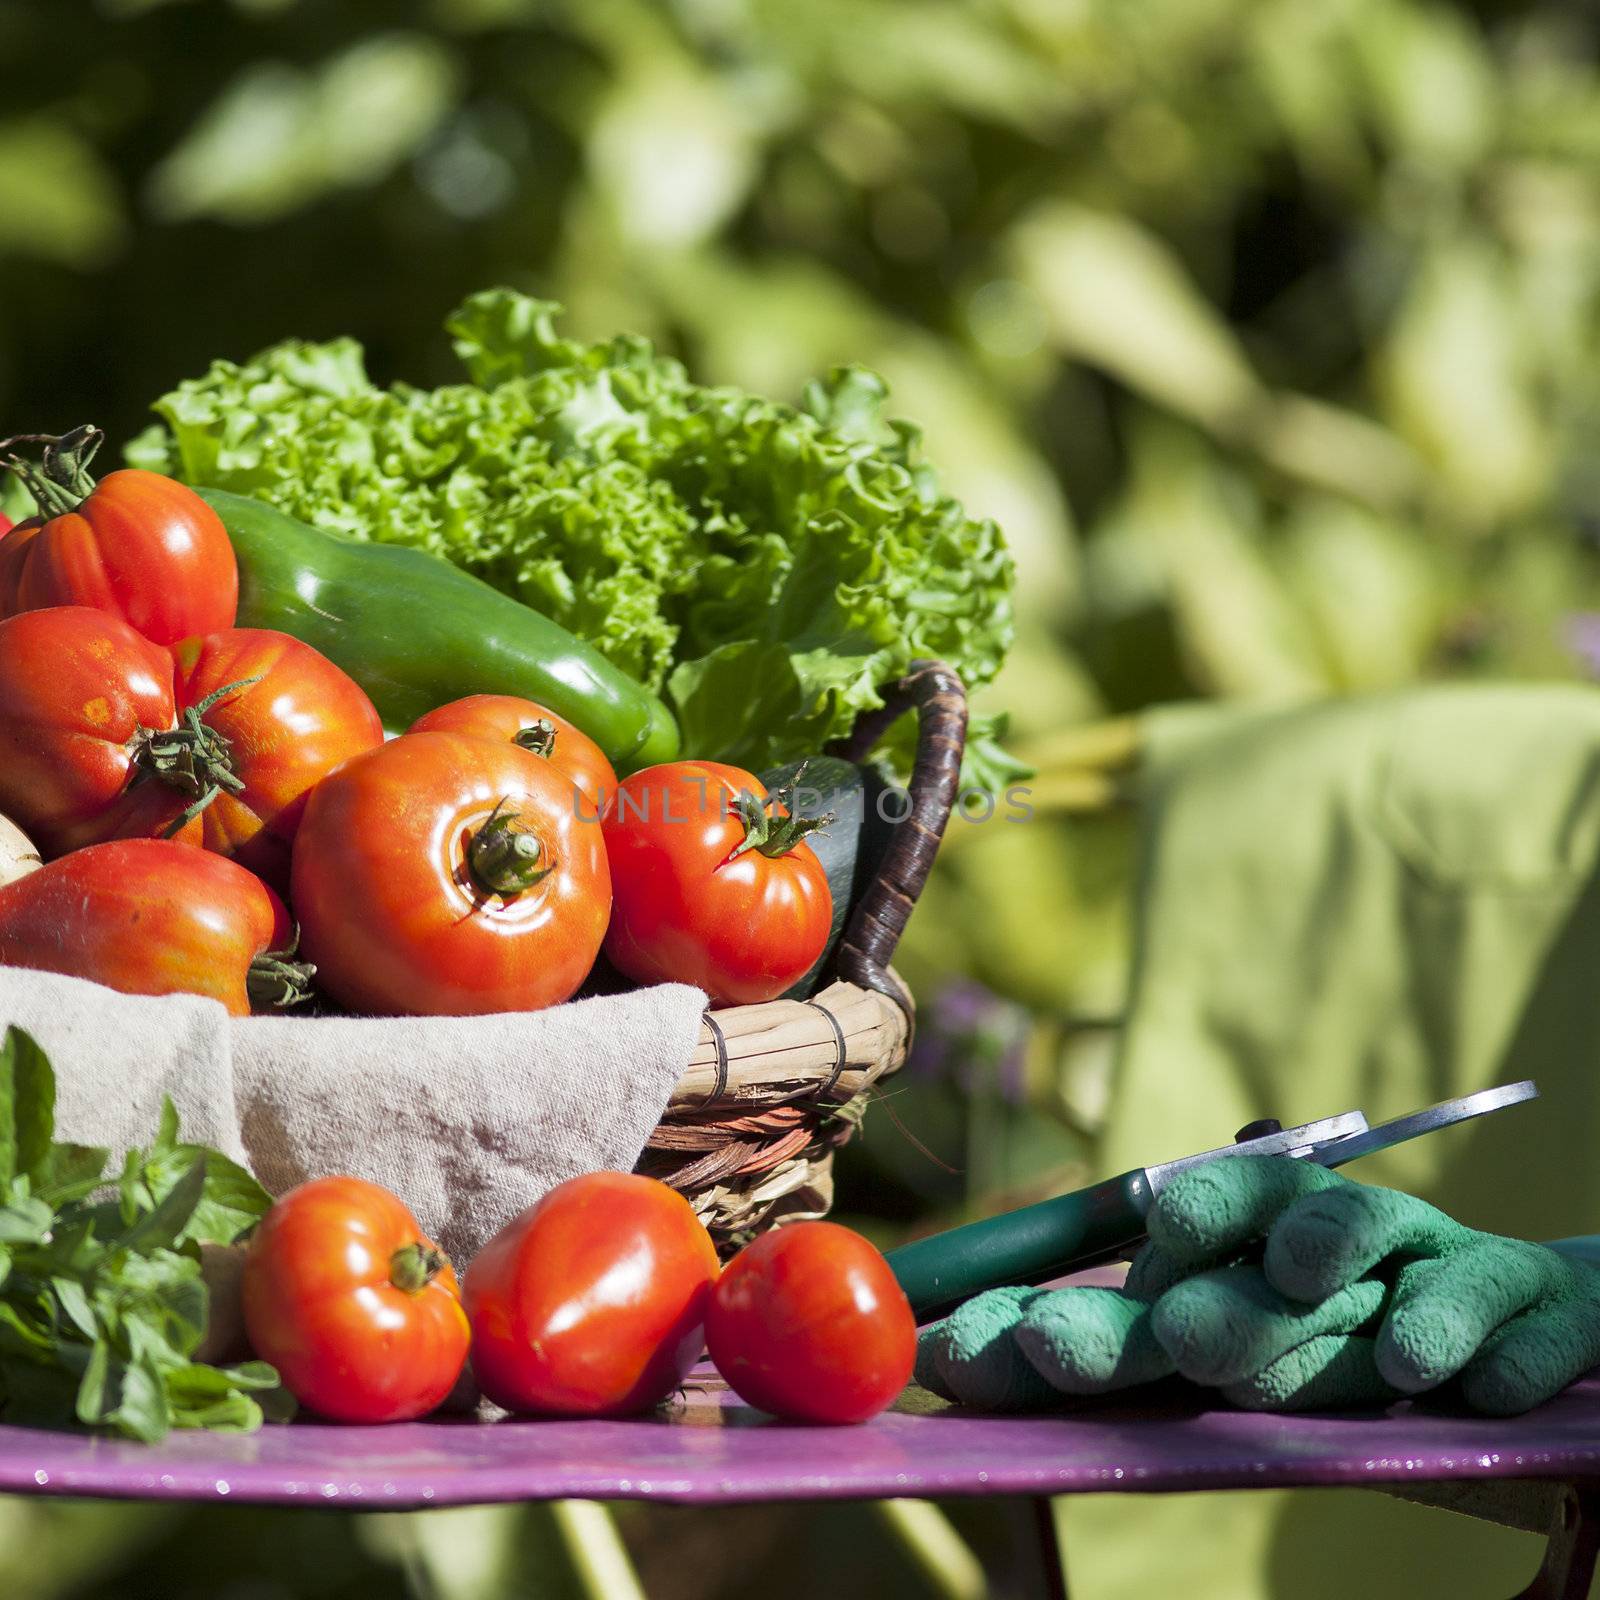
point(766, 566)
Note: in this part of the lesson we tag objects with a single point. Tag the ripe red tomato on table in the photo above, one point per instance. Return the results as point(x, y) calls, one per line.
point(449, 876)
point(149, 916)
point(294, 718)
point(568, 749)
point(590, 1304)
point(138, 545)
point(359, 1312)
point(81, 694)
point(711, 885)
point(809, 1323)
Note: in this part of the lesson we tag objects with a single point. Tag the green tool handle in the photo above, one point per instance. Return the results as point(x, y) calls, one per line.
point(1032, 1245)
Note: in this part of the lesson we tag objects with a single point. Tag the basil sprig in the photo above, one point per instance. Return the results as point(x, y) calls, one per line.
point(102, 1303)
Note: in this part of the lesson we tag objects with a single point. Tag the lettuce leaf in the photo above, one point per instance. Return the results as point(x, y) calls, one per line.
point(766, 566)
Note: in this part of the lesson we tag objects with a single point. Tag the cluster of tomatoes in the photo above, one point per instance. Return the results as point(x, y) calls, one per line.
point(595, 1302)
point(187, 781)
point(475, 864)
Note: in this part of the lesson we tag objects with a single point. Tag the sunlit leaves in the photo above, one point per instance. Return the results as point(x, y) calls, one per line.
point(280, 137)
point(58, 202)
point(1116, 296)
point(1459, 387)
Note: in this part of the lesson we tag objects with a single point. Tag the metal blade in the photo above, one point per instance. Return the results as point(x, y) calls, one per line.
point(1349, 1148)
point(1304, 1140)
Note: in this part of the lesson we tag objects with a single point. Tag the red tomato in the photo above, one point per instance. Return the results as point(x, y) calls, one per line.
point(358, 1311)
point(137, 545)
point(711, 887)
point(80, 691)
point(445, 875)
point(590, 1303)
point(809, 1323)
point(286, 731)
point(146, 916)
point(525, 722)
point(6, 524)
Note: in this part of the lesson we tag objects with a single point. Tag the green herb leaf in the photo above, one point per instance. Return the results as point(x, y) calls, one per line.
point(165, 1224)
point(25, 1220)
point(128, 1396)
point(27, 1105)
point(25, 1330)
point(231, 1201)
point(74, 1302)
point(167, 1129)
point(70, 1172)
point(102, 1301)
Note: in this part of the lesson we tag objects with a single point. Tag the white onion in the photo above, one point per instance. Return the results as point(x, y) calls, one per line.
point(17, 856)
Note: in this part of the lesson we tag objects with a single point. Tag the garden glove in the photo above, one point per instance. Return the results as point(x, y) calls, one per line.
point(1102, 1341)
point(1315, 1324)
point(1515, 1321)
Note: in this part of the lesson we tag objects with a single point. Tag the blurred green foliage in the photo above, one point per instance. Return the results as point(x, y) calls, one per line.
point(1268, 330)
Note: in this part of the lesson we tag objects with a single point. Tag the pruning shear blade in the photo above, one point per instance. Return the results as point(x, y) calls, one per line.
point(1363, 1142)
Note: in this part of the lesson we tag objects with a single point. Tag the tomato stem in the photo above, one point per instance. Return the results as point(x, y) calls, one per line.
point(192, 757)
point(774, 835)
point(66, 482)
point(277, 979)
point(539, 737)
point(414, 1266)
point(503, 857)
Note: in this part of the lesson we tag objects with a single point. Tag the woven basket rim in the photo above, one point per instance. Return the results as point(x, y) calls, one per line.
point(751, 1129)
point(827, 1049)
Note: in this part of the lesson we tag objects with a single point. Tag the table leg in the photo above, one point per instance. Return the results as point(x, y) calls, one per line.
point(1569, 1557)
point(1568, 1514)
point(1038, 1545)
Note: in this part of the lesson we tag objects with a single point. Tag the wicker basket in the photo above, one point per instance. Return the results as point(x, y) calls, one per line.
point(773, 1090)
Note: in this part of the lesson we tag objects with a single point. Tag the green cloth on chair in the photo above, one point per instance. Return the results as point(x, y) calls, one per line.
point(1376, 903)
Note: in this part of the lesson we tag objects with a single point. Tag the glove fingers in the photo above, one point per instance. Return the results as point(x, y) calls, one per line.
point(1091, 1341)
point(1213, 1209)
point(1152, 1272)
point(1221, 1327)
point(926, 1369)
point(1327, 1240)
point(1535, 1357)
point(1325, 1373)
point(1444, 1310)
point(972, 1357)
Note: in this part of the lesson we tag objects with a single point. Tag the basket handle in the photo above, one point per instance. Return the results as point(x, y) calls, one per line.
point(940, 701)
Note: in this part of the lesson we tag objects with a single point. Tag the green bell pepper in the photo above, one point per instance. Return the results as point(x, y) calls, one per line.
point(416, 632)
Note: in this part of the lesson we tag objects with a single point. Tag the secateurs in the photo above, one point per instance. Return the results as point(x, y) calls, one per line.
point(1106, 1220)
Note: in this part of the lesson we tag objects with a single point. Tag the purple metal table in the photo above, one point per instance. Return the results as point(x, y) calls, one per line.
point(1539, 1472)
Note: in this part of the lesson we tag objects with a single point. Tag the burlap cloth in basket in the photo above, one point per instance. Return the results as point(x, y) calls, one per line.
point(469, 1120)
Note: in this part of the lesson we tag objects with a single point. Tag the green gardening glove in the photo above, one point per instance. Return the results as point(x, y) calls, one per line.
point(1020, 1349)
point(1099, 1340)
point(1363, 1294)
point(1515, 1322)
